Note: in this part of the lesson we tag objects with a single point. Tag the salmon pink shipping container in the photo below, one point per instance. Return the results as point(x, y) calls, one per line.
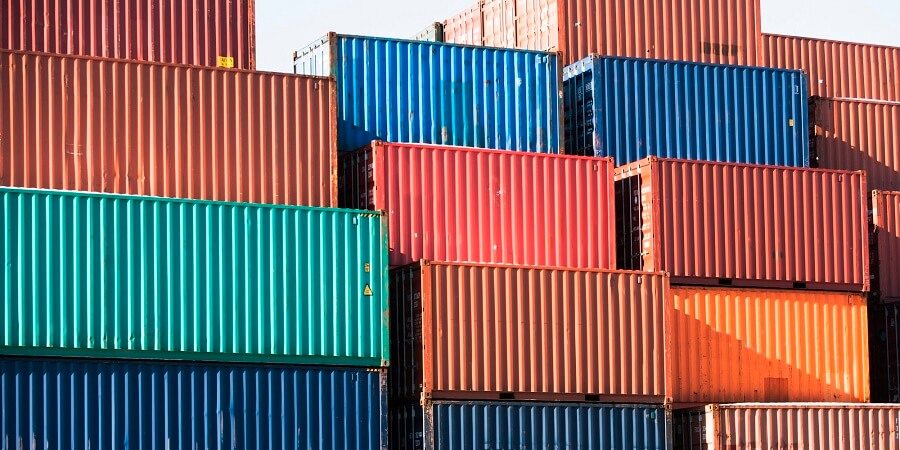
point(102, 125)
point(744, 225)
point(858, 135)
point(837, 69)
point(795, 426)
point(488, 206)
point(717, 31)
point(511, 332)
point(218, 33)
point(886, 244)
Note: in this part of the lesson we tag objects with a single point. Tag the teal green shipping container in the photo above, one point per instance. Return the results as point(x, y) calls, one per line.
point(114, 276)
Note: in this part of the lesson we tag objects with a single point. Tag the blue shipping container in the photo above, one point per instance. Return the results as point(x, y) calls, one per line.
point(634, 108)
point(81, 404)
point(455, 425)
point(434, 93)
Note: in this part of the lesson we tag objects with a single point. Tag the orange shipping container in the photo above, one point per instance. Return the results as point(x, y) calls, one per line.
point(837, 69)
point(858, 135)
point(716, 31)
point(102, 125)
point(886, 221)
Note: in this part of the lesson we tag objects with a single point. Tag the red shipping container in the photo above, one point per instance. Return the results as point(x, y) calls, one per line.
point(217, 33)
point(126, 127)
point(886, 221)
point(835, 68)
point(464, 331)
point(716, 31)
point(858, 135)
point(488, 206)
point(744, 225)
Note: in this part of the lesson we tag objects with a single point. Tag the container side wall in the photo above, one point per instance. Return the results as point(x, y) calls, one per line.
point(884, 348)
point(465, 27)
point(886, 220)
point(689, 429)
point(406, 372)
point(432, 33)
point(316, 60)
point(146, 277)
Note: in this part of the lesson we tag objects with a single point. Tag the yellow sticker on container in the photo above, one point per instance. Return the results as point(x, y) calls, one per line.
point(790, 122)
point(225, 61)
point(367, 291)
point(367, 267)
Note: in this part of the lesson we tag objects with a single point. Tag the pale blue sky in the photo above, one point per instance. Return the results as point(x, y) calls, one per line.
point(283, 26)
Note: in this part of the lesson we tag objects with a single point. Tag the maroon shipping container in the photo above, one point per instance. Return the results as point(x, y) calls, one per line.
point(886, 244)
point(488, 206)
point(217, 33)
point(127, 127)
point(744, 225)
point(858, 135)
point(467, 331)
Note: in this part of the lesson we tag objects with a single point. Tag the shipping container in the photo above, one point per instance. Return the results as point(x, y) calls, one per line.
point(455, 425)
point(104, 125)
point(432, 33)
point(476, 205)
point(884, 348)
point(116, 276)
point(744, 225)
point(435, 93)
point(857, 135)
point(90, 404)
point(795, 426)
point(218, 33)
point(634, 108)
point(837, 69)
point(886, 244)
point(718, 31)
point(464, 331)
point(745, 345)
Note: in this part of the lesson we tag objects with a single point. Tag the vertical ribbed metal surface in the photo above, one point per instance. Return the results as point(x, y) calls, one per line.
point(503, 425)
point(529, 333)
point(434, 93)
point(886, 221)
point(432, 33)
point(476, 205)
point(146, 277)
point(58, 404)
point(634, 108)
point(736, 345)
point(746, 225)
point(837, 69)
point(884, 349)
point(168, 31)
point(465, 27)
point(858, 135)
point(173, 131)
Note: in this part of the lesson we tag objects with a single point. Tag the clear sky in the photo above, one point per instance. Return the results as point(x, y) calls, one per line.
point(283, 26)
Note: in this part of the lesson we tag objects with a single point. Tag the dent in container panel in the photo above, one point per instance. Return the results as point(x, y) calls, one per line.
point(217, 33)
point(141, 128)
point(886, 244)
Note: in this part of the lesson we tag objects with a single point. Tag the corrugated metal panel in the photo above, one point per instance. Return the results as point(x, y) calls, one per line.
point(432, 33)
point(146, 277)
point(104, 125)
point(733, 345)
point(858, 135)
point(512, 332)
point(884, 348)
point(801, 426)
point(746, 225)
point(55, 404)
point(434, 93)
point(837, 69)
point(886, 222)
point(718, 31)
point(502, 425)
point(168, 31)
point(634, 108)
point(475, 205)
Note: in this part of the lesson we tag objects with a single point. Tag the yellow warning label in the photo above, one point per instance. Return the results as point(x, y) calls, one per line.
point(790, 122)
point(367, 291)
point(367, 267)
point(225, 61)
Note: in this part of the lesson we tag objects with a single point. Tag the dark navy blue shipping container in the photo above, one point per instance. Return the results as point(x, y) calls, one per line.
point(434, 93)
point(634, 108)
point(457, 425)
point(81, 404)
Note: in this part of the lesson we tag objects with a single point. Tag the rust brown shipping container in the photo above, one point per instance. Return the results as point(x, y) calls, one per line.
point(794, 426)
point(886, 244)
point(716, 31)
point(835, 68)
point(92, 124)
point(464, 331)
point(217, 33)
point(858, 135)
point(744, 225)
